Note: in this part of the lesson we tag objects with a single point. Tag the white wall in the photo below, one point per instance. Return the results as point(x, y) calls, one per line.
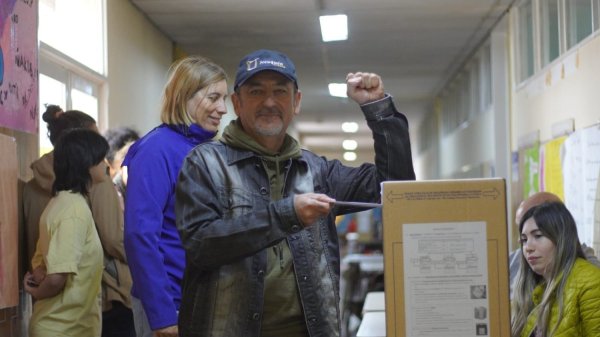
point(139, 56)
point(467, 148)
point(480, 147)
point(566, 89)
point(425, 164)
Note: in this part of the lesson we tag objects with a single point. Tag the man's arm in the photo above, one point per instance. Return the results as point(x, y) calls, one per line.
point(393, 157)
point(217, 229)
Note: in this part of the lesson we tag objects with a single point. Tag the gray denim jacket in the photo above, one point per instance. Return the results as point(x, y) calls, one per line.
point(226, 221)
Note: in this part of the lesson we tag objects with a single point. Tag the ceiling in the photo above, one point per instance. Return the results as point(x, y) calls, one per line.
point(415, 45)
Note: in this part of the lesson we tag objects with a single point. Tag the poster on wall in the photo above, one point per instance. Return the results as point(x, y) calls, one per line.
point(551, 174)
point(597, 216)
point(19, 65)
point(531, 170)
point(581, 167)
point(9, 282)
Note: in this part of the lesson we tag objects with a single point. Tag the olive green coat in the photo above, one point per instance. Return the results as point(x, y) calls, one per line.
point(581, 311)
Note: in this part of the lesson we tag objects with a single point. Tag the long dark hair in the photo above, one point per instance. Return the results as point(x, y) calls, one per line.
point(76, 151)
point(555, 222)
point(57, 123)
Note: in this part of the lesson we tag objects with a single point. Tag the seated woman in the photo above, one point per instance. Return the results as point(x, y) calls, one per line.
point(557, 293)
point(68, 261)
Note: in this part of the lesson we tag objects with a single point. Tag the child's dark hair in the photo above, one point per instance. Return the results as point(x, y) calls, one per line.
point(52, 111)
point(58, 123)
point(117, 138)
point(76, 151)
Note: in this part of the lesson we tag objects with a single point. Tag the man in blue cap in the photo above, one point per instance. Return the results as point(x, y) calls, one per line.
point(255, 212)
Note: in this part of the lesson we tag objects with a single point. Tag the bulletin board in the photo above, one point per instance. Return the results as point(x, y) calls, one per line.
point(19, 65)
point(9, 286)
point(568, 166)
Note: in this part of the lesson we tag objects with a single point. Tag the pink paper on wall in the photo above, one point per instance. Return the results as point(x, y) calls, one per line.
point(19, 65)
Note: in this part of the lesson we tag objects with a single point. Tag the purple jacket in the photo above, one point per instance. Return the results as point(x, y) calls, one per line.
point(154, 251)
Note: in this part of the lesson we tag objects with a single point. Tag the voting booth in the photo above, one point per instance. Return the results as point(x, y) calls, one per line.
point(446, 258)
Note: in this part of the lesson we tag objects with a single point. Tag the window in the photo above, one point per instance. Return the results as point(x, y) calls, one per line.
point(475, 87)
point(469, 94)
point(66, 86)
point(486, 78)
point(72, 58)
point(84, 95)
point(453, 106)
point(76, 28)
point(596, 12)
point(549, 30)
point(579, 20)
point(428, 133)
point(52, 91)
point(464, 99)
point(525, 38)
point(449, 110)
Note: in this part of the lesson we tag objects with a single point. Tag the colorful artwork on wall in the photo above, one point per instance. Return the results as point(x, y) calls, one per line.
point(19, 65)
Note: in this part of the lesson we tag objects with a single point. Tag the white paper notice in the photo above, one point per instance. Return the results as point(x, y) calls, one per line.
point(580, 171)
point(446, 279)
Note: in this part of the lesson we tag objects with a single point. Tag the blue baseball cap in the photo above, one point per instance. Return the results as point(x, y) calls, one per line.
point(261, 60)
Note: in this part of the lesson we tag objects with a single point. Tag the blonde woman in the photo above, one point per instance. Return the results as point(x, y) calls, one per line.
point(557, 293)
point(192, 107)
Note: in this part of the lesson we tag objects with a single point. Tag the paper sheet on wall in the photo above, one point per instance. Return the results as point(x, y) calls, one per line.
point(580, 168)
point(551, 175)
point(446, 279)
point(597, 216)
point(531, 166)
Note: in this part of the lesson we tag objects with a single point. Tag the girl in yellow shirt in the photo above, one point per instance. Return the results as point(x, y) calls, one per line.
point(68, 262)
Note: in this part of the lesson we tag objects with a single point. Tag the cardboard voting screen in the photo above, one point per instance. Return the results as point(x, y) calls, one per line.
point(446, 258)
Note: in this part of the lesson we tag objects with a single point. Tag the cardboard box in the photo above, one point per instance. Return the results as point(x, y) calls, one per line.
point(446, 258)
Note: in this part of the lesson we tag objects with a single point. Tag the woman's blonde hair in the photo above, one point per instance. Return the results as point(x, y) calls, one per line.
point(556, 223)
point(186, 77)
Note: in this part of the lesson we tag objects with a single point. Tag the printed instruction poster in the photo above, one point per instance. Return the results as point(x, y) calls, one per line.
point(446, 279)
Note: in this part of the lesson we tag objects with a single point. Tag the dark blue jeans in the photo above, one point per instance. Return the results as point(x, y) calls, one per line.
point(118, 321)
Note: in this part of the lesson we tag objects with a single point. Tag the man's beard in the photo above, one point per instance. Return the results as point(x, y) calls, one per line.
point(271, 130)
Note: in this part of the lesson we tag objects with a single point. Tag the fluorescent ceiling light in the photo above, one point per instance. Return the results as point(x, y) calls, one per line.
point(350, 127)
point(337, 89)
point(349, 144)
point(334, 27)
point(349, 156)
